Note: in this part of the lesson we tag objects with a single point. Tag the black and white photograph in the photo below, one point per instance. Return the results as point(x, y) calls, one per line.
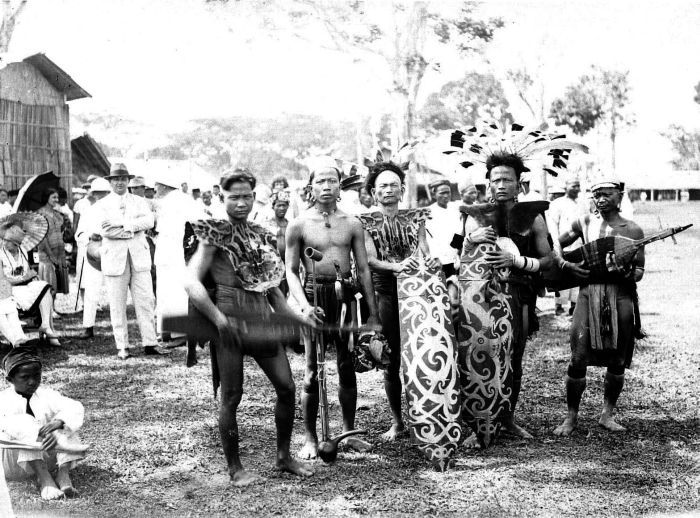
point(342, 258)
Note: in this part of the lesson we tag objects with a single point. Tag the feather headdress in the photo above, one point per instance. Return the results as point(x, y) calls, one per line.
point(478, 143)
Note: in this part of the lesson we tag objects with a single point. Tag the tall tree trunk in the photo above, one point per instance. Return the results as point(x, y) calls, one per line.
point(9, 20)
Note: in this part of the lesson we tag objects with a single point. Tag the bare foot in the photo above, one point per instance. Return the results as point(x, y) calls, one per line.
point(294, 467)
point(567, 427)
point(471, 442)
point(47, 486)
point(393, 433)
point(357, 444)
point(64, 482)
point(607, 422)
point(51, 493)
point(514, 429)
point(245, 478)
point(309, 450)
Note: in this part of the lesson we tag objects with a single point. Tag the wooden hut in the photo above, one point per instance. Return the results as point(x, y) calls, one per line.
point(34, 121)
point(87, 158)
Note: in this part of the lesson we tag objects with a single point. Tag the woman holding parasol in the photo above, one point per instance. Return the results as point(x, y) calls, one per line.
point(21, 233)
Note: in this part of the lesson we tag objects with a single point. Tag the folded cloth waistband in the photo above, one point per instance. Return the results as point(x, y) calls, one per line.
point(325, 279)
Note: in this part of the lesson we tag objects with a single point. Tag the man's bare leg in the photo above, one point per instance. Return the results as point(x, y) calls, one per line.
point(574, 392)
point(347, 396)
point(230, 362)
point(309, 403)
point(392, 387)
point(612, 389)
point(280, 375)
point(47, 485)
point(64, 482)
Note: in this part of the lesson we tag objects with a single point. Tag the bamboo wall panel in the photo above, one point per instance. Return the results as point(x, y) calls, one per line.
point(34, 139)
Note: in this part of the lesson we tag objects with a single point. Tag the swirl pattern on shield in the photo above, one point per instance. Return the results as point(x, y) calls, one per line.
point(428, 360)
point(485, 343)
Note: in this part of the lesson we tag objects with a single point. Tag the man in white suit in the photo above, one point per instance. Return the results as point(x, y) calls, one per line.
point(126, 260)
point(174, 210)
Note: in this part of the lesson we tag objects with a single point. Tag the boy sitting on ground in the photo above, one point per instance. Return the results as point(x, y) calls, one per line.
point(30, 413)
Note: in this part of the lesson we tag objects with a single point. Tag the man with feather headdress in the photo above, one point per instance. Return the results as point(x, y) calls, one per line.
point(505, 244)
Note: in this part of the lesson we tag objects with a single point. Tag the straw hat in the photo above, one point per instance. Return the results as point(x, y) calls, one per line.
point(100, 185)
point(34, 225)
point(119, 170)
point(137, 181)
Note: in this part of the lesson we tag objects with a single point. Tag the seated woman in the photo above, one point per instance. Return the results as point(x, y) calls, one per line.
point(10, 326)
point(28, 291)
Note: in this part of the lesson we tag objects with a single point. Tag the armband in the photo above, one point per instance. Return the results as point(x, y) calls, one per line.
point(527, 264)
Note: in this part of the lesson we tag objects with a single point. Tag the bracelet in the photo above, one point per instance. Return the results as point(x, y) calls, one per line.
point(527, 264)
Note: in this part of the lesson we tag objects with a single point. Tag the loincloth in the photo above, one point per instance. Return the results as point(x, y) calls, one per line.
point(327, 300)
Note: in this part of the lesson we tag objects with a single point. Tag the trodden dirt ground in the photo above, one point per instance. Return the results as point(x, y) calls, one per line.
point(152, 424)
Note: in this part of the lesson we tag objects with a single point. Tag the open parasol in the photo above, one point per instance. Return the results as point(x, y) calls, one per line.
point(35, 227)
point(29, 196)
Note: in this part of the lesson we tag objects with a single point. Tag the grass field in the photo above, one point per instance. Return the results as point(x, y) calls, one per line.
point(156, 450)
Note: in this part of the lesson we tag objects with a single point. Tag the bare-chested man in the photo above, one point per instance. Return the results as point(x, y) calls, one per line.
point(335, 234)
point(606, 317)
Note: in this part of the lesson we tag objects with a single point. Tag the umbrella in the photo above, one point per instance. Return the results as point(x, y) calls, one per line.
point(29, 196)
point(35, 227)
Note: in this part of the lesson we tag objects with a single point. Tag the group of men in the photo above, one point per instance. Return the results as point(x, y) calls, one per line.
point(379, 245)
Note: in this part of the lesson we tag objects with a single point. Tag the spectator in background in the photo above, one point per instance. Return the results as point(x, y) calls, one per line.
point(28, 292)
point(78, 194)
point(52, 254)
point(184, 187)
point(277, 224)
point(562, 213)
point(175, 209)
point(137, 186)
point(468, 195)
point(126, 261)
point(64, 209)
point(210, 208)
point(5, 206)
point(216, 192)
point(90, 280)
point(196, 193)
point(12, 196)
point(261, 208)
point(366, 200)
point(80, 205)
point(279, 183)
point(556, 192)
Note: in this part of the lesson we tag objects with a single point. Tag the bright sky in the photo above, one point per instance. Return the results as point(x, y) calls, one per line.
point(167, 61)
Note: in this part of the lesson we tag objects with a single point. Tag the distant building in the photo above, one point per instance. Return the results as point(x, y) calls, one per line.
point(670, 186)
point(34, 121)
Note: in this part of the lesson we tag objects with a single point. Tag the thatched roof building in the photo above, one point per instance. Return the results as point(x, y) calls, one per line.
point(34, 120)
point(88, 158)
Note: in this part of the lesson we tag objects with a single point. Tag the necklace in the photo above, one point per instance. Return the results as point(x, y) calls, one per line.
point(326, 216)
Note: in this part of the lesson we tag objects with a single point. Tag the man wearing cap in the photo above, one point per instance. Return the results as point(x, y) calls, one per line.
point(468, 195)
point(126, 260)
point(90, 280)
point(606, 318)
point(174, 210)
point(561, 215)
point(445, 222)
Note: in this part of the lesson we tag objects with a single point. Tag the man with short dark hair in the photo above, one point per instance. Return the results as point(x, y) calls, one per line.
point(336, 235)
point(241, 258)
